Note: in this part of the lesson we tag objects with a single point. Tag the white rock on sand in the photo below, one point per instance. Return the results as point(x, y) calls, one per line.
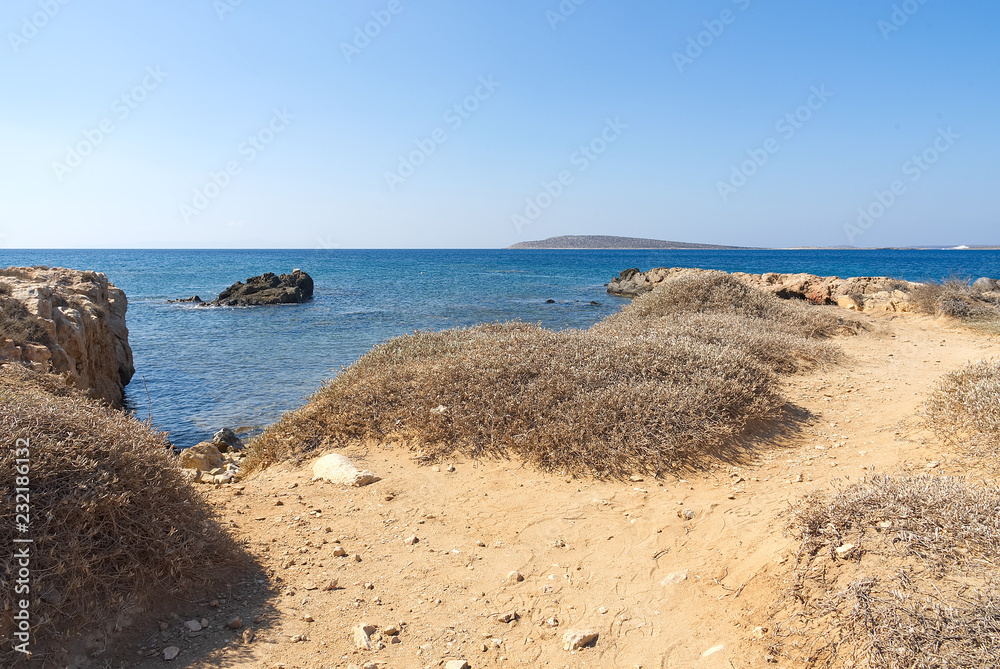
point(577, 639)
point(339, 469)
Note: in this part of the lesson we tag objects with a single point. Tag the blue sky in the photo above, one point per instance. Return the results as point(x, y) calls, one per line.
point(259, 124)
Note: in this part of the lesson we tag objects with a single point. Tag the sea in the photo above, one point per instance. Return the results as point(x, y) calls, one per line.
point(201, 369)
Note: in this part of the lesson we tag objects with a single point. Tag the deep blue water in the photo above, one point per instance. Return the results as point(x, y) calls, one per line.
point(209, 368)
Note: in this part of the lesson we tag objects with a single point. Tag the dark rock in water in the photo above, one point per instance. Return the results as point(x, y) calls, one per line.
point(226, 440)
point(266, 289)
point(985, 284)
point(550, 301)
point(194, 299)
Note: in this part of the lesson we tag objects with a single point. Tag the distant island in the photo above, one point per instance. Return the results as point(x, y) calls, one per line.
point(611, 242)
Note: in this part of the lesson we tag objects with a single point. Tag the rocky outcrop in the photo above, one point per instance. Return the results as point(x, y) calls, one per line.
point(72, 324)
point(856, 293)
point(267, 289)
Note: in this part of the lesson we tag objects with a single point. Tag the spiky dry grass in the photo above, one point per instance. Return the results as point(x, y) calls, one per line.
point(918, 590)
point(965, 408)
point(116, 529)
point(675, 377)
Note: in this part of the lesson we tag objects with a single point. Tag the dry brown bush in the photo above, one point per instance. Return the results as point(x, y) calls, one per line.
point(116, 529)
point(919, 588)
point(955, 298)
point(965, 407)
point(19, 324)
point(656, 388)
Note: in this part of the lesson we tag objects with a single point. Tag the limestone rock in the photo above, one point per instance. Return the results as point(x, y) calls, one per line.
point(204, 457)
point(577, 639)
point(339, 469)
point(985, 284)
point(79, 321)
point(362, 636)
point(267, 289)
point(171, 652)
point(456, 664)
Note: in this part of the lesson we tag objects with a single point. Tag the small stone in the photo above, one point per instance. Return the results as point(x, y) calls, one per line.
point(602, 610)
point(339, 551)
point(193, 626)
point(307, 618)
point(456, 664)
point(330, 585)
point(687, 514)
point(410, 540)
point(450, 468)
point(296, 638)
point(204, 623)
point(510, 616)
point(481, 544)
point(844, 551)
point(164, 627)
point(248, 635)
point(392, 630)
point(577, 639)
point(170, 652)
point(356, 557)
point(759, 632)
point(552, 622)
point(515, 577)
point(235, 623)
point(214, 603)
point(675, 577)
point(362, 637)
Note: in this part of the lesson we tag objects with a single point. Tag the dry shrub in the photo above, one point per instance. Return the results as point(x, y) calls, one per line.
point(19, 324)
point(965, 407)
point(955, 298)
point(640, 392)
point(117, 531)
point(917, 591)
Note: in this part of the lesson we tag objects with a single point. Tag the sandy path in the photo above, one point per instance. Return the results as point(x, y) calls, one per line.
point(663, 589)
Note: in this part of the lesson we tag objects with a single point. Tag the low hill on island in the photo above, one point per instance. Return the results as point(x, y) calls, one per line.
point(611, 242)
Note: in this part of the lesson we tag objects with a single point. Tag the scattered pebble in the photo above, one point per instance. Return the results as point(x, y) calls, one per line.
point(171, 652)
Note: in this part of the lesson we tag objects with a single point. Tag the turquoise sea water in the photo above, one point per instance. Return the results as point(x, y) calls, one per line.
point(210, 368)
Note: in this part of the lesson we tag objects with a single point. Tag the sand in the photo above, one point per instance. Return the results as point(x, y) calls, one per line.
point(672, 573)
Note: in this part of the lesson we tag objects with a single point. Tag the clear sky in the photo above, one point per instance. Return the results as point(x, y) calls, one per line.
point(480, 123)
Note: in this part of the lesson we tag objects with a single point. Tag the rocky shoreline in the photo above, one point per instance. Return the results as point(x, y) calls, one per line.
point(82, 333)
point(856, 293)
